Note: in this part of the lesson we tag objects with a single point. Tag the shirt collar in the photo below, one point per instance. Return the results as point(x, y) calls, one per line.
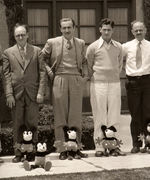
point(101, 42)
point(25, 47)
point(142, 42)
point(65, 40)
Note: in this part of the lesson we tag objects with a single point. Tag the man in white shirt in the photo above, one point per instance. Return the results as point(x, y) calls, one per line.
point(137, 54)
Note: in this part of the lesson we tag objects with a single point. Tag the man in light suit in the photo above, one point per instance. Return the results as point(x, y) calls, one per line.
point(24, 83)
point(66, 65)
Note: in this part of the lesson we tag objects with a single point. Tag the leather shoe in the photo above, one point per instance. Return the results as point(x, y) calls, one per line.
point(16, 159)
point(135, 150)
point(63, 155)
point(82, 155)
point(99, 153)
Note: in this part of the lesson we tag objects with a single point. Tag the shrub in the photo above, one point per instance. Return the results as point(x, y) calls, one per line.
point(46, 131)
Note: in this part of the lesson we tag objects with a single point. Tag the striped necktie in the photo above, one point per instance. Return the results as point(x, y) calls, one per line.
point(69, 46)
point(23, 55)
point(138, 56)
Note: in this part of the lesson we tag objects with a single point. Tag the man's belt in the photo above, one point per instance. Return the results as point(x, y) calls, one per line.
point(147, 76)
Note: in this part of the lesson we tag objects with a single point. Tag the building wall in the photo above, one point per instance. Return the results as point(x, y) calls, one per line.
point(139, 10)
point(4, 41)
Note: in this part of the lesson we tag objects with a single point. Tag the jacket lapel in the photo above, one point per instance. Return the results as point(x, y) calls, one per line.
point(59, 52)
point(78, 52)
point(18, 56)
point(29, 55)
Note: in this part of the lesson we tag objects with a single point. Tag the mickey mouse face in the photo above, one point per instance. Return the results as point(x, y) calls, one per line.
point(148, 128)
point(41, 147)
point(109, 133)
point(72, 134)
point(27, 135)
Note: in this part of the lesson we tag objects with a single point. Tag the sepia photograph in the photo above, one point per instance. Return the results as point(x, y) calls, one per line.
point(74, 89)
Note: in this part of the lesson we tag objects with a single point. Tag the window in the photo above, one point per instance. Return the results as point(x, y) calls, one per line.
point(38, 25)
point(120, 17)
point(85, 20)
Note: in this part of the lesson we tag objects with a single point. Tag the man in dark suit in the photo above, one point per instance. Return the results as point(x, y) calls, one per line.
point(24, 83)
point(66, 65)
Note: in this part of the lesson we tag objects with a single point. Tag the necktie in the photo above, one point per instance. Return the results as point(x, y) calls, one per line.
point(138, 56)
point(23, 55)
point(68, 45)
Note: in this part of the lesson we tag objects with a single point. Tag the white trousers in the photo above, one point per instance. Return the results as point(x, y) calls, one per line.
point(106, 105)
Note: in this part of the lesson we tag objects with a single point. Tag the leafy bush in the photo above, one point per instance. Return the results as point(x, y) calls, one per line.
point(46, 131)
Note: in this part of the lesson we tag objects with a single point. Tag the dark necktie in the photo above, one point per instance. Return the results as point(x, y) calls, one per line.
point(68, 45)
point(138, 56)
point(23, 55)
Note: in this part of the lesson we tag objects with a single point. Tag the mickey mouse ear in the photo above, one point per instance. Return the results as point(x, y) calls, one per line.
point(113, 128)
point(103, 127)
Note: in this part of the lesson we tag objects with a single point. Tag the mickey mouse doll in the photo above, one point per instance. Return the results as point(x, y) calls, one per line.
point(145, 139)
point(40, 158)
point(110, 143)
point(26, 147)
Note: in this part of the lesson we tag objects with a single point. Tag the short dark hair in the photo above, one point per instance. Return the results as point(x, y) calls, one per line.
point(66, 19)
point(106, 21)
point(23, 25)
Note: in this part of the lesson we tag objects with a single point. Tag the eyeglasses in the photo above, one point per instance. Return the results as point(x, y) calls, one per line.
point(20, 35)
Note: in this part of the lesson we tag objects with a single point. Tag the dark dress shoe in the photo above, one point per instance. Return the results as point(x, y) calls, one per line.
point(135, 150)
point(16, 159)
point(99, 153)
point(82, 155)
point(63, 155)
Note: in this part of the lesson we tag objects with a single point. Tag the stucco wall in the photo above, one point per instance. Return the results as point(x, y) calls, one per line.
point(4, 41)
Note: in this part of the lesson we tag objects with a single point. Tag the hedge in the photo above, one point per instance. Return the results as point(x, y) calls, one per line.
point(46, 132)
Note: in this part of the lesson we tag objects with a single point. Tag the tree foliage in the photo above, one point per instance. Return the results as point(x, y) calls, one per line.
point(147, 17)
point(14, 14)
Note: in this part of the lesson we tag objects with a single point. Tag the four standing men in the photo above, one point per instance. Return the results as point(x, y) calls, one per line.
point(24, 83)
point(67, 66)
point(63, 58)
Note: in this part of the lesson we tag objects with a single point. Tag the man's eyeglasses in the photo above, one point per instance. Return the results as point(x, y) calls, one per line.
point(20, 35)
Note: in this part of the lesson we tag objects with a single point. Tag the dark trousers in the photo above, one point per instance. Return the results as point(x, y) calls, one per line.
point(138, 94)
point(24, 112)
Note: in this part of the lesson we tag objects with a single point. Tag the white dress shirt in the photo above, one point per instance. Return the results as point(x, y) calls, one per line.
point(129, 51)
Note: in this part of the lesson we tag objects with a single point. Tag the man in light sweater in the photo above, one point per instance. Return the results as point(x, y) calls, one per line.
point(105, 61)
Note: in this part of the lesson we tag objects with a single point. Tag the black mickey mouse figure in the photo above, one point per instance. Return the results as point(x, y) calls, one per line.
point(110, 143)
point(146, 139)
point(40, 158)
point(71, 143)
point(27, 147)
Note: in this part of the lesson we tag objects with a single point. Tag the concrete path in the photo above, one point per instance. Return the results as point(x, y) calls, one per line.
point(91, 164)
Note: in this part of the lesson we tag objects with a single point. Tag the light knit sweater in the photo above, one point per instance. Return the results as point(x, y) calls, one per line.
point(105, 62)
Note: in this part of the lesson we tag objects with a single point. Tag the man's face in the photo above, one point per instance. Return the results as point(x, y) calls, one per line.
point(67, 29)
point(106, 32)
point(139, 31)
point(21, 36)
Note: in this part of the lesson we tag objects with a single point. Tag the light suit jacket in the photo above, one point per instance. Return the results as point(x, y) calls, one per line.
point(53, 51)
point(17, 78)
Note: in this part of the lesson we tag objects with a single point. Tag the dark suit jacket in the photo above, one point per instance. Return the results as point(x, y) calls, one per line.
point(17, 78)
point(53, 49)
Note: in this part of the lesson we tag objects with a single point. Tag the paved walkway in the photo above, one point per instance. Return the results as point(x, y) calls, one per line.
point(90, 164)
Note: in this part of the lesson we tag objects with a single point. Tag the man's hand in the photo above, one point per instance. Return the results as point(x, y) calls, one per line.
point(10, 101)
point(39, 98)
point(85, 79)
